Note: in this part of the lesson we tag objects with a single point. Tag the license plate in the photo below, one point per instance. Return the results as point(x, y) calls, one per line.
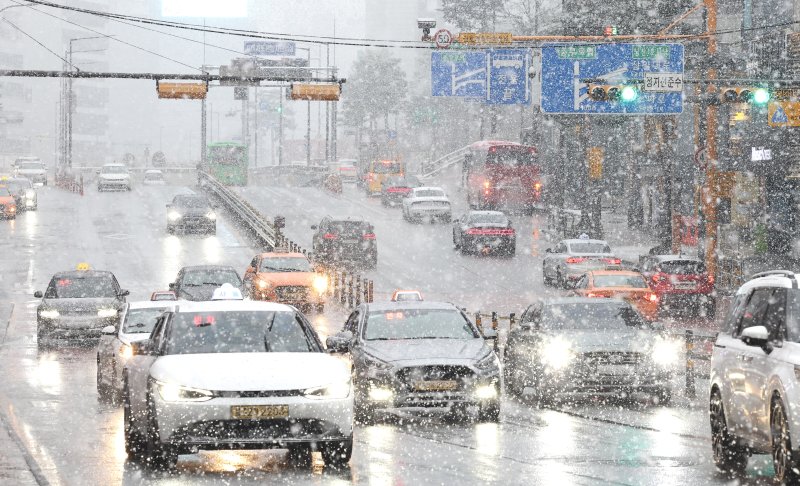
point(437, 385)
point(349, 242)
point(615, 370)
point(685, 286)
point(254, 412)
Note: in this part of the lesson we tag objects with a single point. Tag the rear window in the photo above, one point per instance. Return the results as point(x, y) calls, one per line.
point(682, 267)
point(589, 248)
point(429, 193)
point(349, 227)
point(515, 157)
point(488, 218)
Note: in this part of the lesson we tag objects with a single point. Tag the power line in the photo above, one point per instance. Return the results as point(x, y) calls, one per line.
point(34, 39)
point(112, 38)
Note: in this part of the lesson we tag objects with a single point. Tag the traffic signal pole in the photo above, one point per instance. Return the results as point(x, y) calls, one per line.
point(711, 190)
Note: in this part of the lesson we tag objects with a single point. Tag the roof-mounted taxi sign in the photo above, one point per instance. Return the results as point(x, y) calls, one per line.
point(227, 292)
point(83, 267)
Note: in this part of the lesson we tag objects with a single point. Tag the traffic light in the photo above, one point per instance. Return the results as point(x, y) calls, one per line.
point(745, 94)
point(605, 92)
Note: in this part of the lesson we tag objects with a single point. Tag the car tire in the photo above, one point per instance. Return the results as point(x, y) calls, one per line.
point(783, 460)
point(103, 390)
point(547, 280)
point(511, 251)
point(157, 455)
point(710, 307)
point(299, 455)
point(134, 443)
point(560, 282)
point(489, 412)
point(337, 454)
point(447, 218)
point(729, 457)
point(42, 339)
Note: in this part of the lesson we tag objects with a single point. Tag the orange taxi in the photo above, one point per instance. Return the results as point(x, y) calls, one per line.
point(627, 285)
point(8, 205)
point(287, 278)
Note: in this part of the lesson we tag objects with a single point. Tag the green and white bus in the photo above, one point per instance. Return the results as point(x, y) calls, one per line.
point(227, 163)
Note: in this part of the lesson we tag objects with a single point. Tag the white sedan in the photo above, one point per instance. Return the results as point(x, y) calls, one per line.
point(114, 350)
point(236, 374)
point(570, 259)
point(427, 203)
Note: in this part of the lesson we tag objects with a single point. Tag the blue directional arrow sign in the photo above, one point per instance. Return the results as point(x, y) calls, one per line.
point(566, 69)
point(459, 73)
point(508, 77)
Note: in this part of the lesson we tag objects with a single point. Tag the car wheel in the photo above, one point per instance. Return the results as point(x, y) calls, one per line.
point(42, 340)
point(710, 307)
point(510, 379)
point(455, 241)
point(729, 457)
point(490, 412)
point(134, 444)
point(560, 282)
point(157, 455)
point(511, 251)
point(458, 413)
point(337, 454)
point(784, 463)
point(547, 280)
point(299, 455)
point(102, 388)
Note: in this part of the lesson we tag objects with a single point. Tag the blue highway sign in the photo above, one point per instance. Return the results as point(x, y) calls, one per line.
point(508, 77)
point(459, 73)
point(567, 69)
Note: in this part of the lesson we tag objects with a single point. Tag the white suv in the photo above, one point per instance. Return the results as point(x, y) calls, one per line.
point(755, 377)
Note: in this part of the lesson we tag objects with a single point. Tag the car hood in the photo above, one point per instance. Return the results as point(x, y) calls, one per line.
point(79, 305)
point(427, 349)
point(303, 279)
point(250, 371)
point(203, 292)
point(633, 340)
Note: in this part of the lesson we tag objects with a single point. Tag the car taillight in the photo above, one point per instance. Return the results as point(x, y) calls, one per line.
point(330, 236)
point(657, 278)
point(576, 260)
point(474, 231)
point(369, 177)
point(612, 261)
point(591, 295)
point(652, 298)
point(710, 279)
point(538, 186)
point(369, 236)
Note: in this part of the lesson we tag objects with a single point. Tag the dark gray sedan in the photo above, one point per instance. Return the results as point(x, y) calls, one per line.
point(77, 305)
point(575, 347)
point(198, 282)
point(420, 355)
point(191, 212)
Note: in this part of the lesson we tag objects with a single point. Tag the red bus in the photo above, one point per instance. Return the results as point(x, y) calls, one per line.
point(502, 175)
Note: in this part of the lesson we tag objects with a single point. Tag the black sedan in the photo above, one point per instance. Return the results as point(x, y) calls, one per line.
point(485, 232)
point(191, 212)
point(395, 188)
point(198, 282)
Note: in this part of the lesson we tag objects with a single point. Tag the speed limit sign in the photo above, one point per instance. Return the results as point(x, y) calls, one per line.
point(443, 38)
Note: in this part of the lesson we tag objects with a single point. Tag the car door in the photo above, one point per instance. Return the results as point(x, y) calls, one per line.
point(138, 367)
point(738, 365)
point(724, 359)
point(759, 366)
point(553, 259)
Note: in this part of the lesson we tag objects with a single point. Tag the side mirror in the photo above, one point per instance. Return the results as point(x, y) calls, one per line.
point(38, 294)
point(489, 334)
point(755, 336)
point(340, 343)
point(141, 348)
point(313, 226)
point(124, 293)
point(172, 285)
point(108, 331)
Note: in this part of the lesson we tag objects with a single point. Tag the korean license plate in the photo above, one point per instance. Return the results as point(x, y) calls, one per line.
point(685, 286)
point(436, 385)
point(255, 412)
point(614, 370)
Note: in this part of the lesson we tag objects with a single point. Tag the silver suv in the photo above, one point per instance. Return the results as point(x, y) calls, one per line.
point(755, 377)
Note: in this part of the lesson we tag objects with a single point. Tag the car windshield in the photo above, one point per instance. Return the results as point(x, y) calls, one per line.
point(31, 166)
point(286, 264)
point(191, 202)
point(113, 169)
point(632, 281)
point(429, 193)
point(348, 227)
point(682, 267)
point(81, 287)
point(589, 248)
point(488, 218)
point(418, 324)
point(141, 321)
point(216, 277)
point(238, 332)
point(590, 316)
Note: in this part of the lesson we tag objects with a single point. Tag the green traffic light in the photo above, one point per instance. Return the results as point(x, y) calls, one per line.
point(629, 93)
point(760, 96)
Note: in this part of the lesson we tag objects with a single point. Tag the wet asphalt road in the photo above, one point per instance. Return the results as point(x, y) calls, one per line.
point(49, 401)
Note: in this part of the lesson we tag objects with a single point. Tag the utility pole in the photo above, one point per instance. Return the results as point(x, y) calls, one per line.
point(280, 128)
point(711, 188)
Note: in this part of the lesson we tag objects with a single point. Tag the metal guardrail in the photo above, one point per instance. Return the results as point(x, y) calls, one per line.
point(347, 288)
point(70, 183)
point(292, 174)
point(432, 168)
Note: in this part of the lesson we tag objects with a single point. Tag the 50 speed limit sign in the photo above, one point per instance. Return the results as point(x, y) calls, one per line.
point(443, 38)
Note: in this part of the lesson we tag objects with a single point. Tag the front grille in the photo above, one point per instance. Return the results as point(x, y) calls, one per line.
point(259, 394)
point(612, 358)
point(411, 376)
point(249, 430)
point(291, 292)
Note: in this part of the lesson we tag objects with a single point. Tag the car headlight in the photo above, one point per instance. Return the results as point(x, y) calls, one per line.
point(126, 352)
point(174, 215)
point(171, 392)
point(488, 362)
point(380, 394)
point(486, 392)
point(263, 285)
point(374, 363)
point(211, 215)
point(666, 352)
point(107, 313)
point(333, 391)
point(556, 354)
point(320, 284)
point(30, 194)
point(49, 314)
